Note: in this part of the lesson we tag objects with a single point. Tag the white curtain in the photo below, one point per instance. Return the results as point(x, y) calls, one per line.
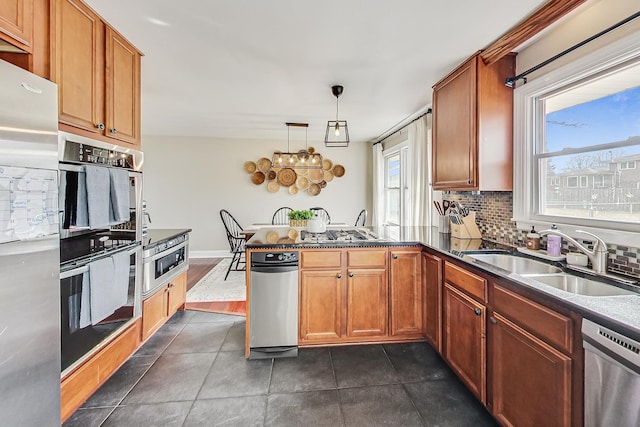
point(377, 216)
point(418, 213)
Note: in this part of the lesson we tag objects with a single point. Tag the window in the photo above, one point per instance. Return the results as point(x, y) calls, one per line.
point(395, 186)
point(584, 181)
point(628, 165)
point(581, 122)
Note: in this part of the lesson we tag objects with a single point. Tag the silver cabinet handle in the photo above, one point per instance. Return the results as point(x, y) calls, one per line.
point(113, 131)
point(493, 320)
point(477, 311)
point(469, 181)
point(100, 126)
point(339, 275)
point(394, 256)
point(350, 274)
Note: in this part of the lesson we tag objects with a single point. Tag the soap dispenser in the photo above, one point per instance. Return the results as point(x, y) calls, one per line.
point(533, 240)
point(554, 243)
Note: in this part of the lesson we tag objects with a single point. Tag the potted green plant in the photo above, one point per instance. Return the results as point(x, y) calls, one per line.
point(299, 218)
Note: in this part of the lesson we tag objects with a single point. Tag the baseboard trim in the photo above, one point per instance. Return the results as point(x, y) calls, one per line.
point(210, 254)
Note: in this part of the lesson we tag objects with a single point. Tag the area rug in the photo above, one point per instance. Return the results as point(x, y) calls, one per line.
point(213, 287)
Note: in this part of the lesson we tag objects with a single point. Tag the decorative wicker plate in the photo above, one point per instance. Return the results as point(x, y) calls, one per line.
point(311, 150)
point(315, 175)
point(272, 237)
point(328, 176)
point(271, 175)
point(327, 164)
point(264, 164)
point(273, 187)
point(249, 167)
point(302, 182)
point(287, 177)
point(314, 189)
point(338, 171)
point(293, 233)
point(293, 189)
point(257, 178)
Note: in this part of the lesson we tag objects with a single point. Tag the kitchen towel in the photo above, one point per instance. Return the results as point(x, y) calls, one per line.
point(82, 213)
point(98, 196)
point(85, 302)
point(101, 279)
point(121, 278)
point(119, 194)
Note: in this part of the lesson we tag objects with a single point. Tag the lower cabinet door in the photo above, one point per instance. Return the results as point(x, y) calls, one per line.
point(432, 286)
point(177, 294)
point(464, 324)
point(531, 381)
point(154, 312)
point(367, 303)
point(320, 305)
point(406, 293)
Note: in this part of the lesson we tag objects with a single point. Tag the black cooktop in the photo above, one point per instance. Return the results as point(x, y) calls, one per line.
point(79, 247)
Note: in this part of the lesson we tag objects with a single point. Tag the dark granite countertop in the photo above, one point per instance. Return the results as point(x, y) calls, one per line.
point(621, 313)
point(156, 236)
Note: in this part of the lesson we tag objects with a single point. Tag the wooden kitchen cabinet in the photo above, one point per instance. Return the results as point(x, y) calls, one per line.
point(406, 292)
point(16, 23)
point(367, 293)
point(464, 324)
point(163, 304)
point(531, 367)
point(530, 380)
point(472, 127)
point(321, 305)
point(432, 291)
point(98, 76)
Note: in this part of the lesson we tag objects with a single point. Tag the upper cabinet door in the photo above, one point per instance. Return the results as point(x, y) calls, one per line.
point(16, 23)
point(454, 130)
point(473, 127)
point(123, 89)
point(79, 69)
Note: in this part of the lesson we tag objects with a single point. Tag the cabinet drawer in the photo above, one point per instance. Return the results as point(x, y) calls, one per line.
point(367, 258)
point(320, 259)
point(473, 285)
point(552, 327)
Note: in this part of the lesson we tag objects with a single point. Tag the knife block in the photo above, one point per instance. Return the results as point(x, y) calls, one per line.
point(468, 229)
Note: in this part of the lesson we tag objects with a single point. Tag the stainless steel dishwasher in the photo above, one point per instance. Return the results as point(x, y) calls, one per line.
point(612, 377)
point(273, 305)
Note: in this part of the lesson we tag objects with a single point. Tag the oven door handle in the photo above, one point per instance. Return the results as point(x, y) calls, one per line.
point(85, 268)
point(74, 272)
point(165, 252)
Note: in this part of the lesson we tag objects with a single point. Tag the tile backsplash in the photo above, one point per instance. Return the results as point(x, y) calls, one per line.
point(494, 212)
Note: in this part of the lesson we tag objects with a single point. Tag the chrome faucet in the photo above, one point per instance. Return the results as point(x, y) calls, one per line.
point(599, 256)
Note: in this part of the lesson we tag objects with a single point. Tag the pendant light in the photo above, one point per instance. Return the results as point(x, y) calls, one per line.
point(302, 159)
point(337, 134)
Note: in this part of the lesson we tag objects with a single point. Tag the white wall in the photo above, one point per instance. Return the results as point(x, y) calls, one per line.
point(588, 20)
point(188, 180)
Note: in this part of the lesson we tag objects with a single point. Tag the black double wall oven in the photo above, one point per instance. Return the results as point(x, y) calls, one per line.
point(100, 190)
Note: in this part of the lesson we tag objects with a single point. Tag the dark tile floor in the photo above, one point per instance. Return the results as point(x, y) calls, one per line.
point(192, 372)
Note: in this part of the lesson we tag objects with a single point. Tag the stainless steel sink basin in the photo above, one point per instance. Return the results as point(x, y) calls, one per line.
point(516, 264)
point(580, 285)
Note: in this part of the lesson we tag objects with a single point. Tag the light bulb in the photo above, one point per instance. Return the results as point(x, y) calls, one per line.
point(279, 159)
point(313, 160)
point(337, 129)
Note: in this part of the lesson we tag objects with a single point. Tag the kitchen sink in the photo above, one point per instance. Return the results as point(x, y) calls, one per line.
point(579, 285)
point(516, 264)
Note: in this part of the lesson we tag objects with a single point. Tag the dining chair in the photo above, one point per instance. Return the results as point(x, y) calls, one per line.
point(362, 218)
point(236, 242)
point(281, 216)
point(322, 214)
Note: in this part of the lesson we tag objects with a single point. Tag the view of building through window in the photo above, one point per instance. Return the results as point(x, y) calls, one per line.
point(589, 162)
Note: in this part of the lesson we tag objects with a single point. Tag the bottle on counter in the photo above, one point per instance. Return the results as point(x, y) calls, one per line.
point(554, 243)
point(533, 240)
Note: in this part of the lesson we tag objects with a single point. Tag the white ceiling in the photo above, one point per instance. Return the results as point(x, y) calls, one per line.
point(241, 69)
